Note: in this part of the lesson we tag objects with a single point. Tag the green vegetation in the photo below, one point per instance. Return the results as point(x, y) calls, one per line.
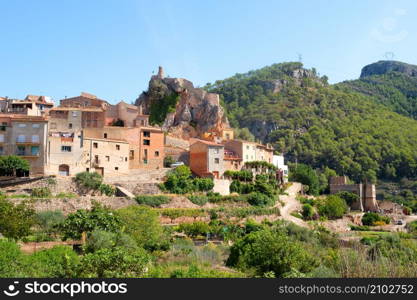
point(307, 176)
point(198, 199)
point(333, 207)
point(372, 219)
point(321, 125)
point(16, 220)
point(12, 165)
point(42, 192)
point(94, 181)
point(152, 200)
point(160, 108)
point(180, 181)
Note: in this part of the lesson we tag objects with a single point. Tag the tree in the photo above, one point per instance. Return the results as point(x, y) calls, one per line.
point(244, 134)
point(98, 217)
point(16, 220)
point(308, 212)
point(270, 251)
point(307, 176)
point(349, 197)
point(12, 164)
point(142, 224)
point(333, 207)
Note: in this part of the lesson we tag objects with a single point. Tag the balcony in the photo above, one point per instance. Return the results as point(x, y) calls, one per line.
point(26, 141)
point(67, 139)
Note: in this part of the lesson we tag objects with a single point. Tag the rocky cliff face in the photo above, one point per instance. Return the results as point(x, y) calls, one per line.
point(384, 66)
point(197, 112)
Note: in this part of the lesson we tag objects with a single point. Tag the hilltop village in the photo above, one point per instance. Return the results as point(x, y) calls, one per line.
point(87, 134)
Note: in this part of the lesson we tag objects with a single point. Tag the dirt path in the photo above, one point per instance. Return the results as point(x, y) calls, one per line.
point(291, 204)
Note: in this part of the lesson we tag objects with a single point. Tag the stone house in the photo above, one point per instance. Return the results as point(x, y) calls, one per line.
point(250, 151)
point(25, 136)
point(32, 105)
point(206, 158)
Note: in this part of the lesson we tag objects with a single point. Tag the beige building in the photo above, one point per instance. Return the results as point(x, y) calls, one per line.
point(206, 159)
point(25, 136)
point(32, 105)
point(250, 151)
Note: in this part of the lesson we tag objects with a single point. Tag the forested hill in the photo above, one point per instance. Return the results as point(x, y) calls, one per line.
point(320, 125)
point(391, 83)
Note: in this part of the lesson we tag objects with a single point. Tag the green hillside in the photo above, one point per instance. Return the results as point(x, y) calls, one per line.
point(397, 91)
point(321, 125)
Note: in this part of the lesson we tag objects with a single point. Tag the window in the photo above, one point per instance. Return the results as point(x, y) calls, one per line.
point(20, 150)
point(21, 138)
point(36, 125)
point(96, 159)
point(216, 150)
point(131, 154)
point(145, 152)
point(74, 113)
point(107, 158)
point(105, 135)
point(147, 134)
point(87, 169)
point(34, 150)
point(227, 136)
point(117, 147)
point(247, 147)
point(216, 161)
point(1, 150)
point(116, 168)
point(1, 138)
point(35, 138)
point(3, 126)
point(95, 145)
point(146, 142)
point(125, 158)
point(69, 125)
point(53, 125)
point(156, 153)
point(21, 125)
point(66, 148)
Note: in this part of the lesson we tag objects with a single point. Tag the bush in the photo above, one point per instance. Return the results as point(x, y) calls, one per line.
point(142, 224)
point(114, 263)
point(99, 239)
point(307, 176)
point(203, 184)
point(350, 198)
point(107, 189)
point(91, 181)
point(333, 208)
point(168, 160)
point(373, 219)
point(308, 212)
point(48, 221)
point(16, 220)
point(259, 199)
point(198, 199)
point(10, 259)
point(270, 251)
point(241, 188)
point(194, 229)
point(99, 217)
point(42, 192)
point(179, 181)
point(152, 200)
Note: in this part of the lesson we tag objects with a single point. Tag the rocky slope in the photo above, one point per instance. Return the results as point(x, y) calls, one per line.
point(384, 66)
point(191, 112)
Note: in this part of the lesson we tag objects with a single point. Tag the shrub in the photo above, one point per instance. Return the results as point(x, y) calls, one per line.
point(307, 176)
point(349, 198)
point(194, 229)
point(179, 181)
point(107, 189)
point(152, 200)
point(16, 220)
point(98, 217)
point(42, 192)
point(334, 207)
point(241, 188)
point(203, 184)
point(308, 212)
point(91, 181)
point(48, 221)
point(373, 219)
point(10, 259)
point(259, 199)
point(168, 160)
point(99, 239)
point(114, 263)
point(270, 251)
point(142, 224)
point(198, 199)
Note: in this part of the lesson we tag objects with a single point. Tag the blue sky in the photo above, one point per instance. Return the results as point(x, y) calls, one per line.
point(111, 47)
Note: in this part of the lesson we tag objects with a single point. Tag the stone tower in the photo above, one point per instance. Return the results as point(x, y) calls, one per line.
point(161, 74)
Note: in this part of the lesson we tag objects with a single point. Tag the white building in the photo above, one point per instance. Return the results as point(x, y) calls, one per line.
point(278, 161)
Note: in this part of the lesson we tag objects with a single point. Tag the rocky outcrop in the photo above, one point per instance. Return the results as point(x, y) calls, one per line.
point(384, 66)
point(196, 113)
